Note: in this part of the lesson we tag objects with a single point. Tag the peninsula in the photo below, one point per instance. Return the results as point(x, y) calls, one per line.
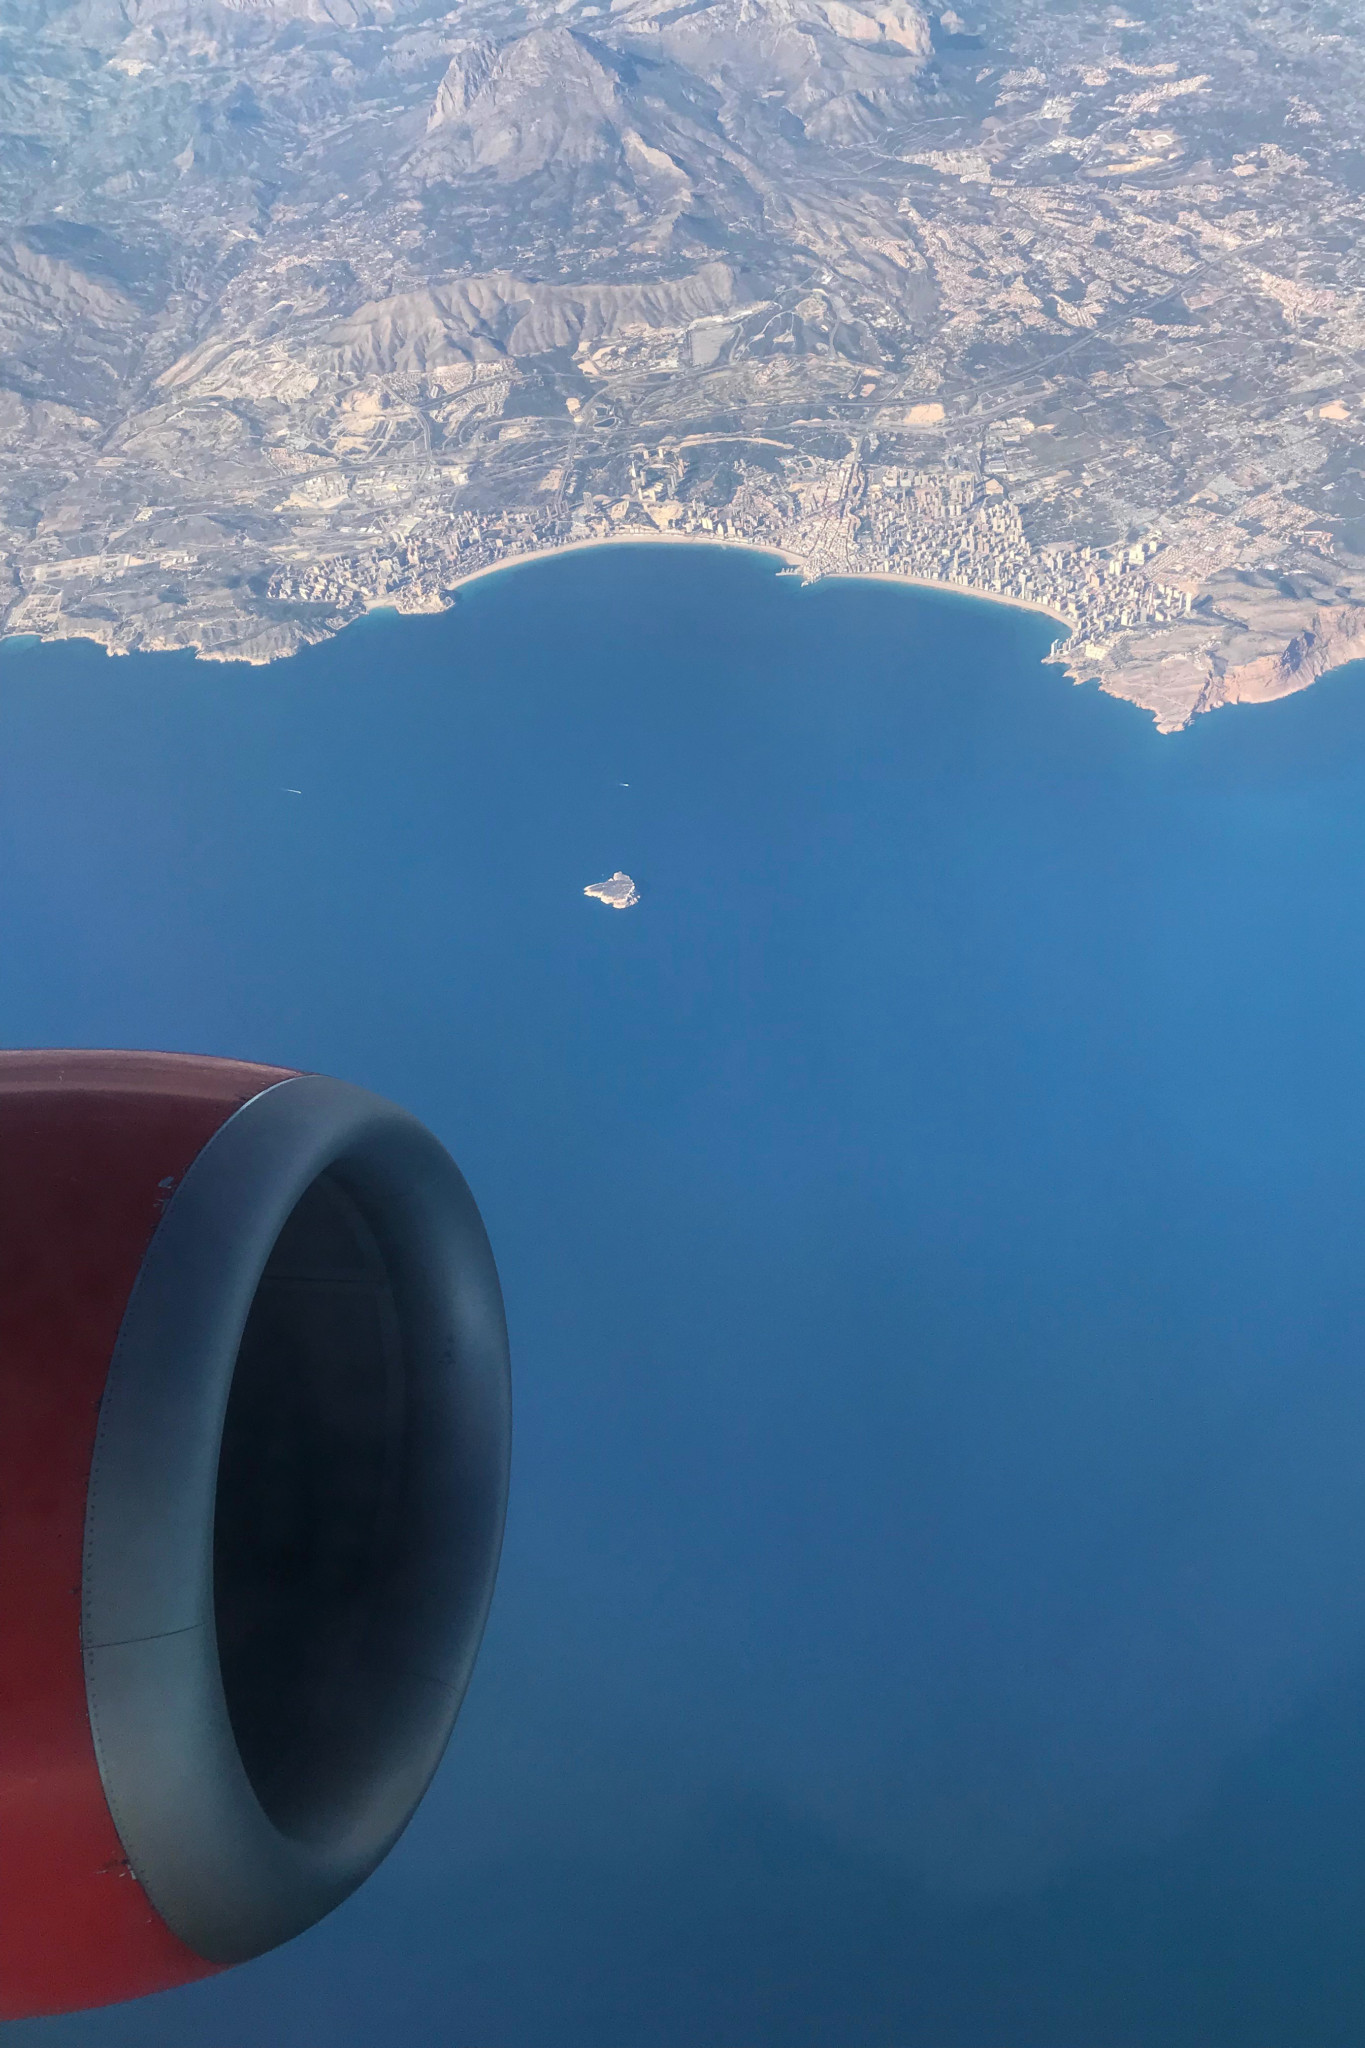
point(308, 306)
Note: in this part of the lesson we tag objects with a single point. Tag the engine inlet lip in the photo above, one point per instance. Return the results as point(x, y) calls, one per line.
point(224, 1878)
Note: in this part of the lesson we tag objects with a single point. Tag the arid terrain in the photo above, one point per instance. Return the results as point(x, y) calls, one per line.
point(312, 305)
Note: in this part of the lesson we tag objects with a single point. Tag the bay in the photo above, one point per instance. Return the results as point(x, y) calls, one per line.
point(934, 1599)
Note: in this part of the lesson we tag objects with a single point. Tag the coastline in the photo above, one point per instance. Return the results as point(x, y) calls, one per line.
point(391, 601)
point(751, 547)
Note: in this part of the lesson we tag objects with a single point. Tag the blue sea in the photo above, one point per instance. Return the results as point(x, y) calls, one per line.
point(933, 1231)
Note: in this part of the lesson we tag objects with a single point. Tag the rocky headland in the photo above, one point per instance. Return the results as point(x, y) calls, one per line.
point(313, 305)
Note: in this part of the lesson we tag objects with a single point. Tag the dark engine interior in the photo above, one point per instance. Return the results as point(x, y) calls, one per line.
point(309, 1536)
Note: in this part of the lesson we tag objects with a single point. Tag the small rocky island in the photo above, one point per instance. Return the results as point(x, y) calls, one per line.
point(618, 890)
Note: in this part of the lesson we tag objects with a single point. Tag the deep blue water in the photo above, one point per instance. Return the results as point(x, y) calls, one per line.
point(933, 1609)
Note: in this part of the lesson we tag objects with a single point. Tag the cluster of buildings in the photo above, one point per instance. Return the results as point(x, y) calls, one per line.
point(828, 518)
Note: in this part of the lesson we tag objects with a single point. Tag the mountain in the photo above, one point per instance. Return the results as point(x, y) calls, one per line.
point(306, 303)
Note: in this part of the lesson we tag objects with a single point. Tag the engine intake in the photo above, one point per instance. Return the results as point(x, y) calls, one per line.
point(254, 1451)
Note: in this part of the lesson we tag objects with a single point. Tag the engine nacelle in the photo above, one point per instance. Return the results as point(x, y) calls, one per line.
point(254, 1440)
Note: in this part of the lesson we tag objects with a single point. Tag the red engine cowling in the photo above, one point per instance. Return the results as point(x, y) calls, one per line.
point(254, 1437)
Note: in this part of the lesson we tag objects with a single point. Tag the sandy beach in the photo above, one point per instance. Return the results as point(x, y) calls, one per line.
point(697, 540)
point(391, 600)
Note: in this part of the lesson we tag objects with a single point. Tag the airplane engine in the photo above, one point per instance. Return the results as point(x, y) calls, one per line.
point(254, 1438)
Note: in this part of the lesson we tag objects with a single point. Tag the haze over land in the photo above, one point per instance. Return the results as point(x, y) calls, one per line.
point(308, 305)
